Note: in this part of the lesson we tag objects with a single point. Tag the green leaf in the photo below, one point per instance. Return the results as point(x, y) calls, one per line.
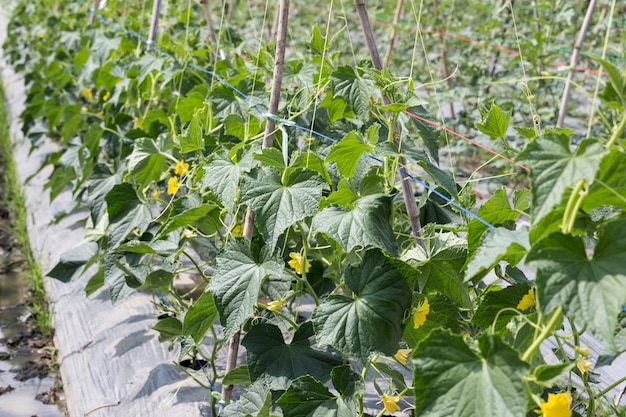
point(276, 363)
point(494, 122)
point(147, 163)
point(126, 213)
point(100, 183)
point(451, 379)
point(187, 107)
point(255, 401)
point(280, 205)
point(310, 160)
point(617, 77)
point(496, 303)
point(307, 397)
point(590, 290)
point(271, 157)
point(237, 281)
point(548, 375)
point(430, 134)
point(200, 317)
point(347, 382)
point(610, 186)
point(347, 152)
point(496, 245)
point(317, 41)
point(554, 169)
point(371, 319)
point(367, 224)
point(443, 314)
point(73, 261)
point(356, 90)
point(222, 176)
point(169, 328)
point(186, 211)
point(238, 376)
point(191, 138)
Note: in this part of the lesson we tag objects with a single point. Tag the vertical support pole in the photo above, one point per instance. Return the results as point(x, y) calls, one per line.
point(407, 188)
point(154, 23)
point(268, 141)
point(209, 20)
point(96, 6)
point(575, 55)
point(394, 31)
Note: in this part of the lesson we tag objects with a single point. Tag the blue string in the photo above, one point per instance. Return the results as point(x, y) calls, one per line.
point(213, 390)
point(286, 122)
point(163, 300)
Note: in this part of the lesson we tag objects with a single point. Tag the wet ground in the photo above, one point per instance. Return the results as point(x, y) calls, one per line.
point(29, 386)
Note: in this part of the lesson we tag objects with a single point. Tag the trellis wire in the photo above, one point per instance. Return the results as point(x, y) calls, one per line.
point(280, 120)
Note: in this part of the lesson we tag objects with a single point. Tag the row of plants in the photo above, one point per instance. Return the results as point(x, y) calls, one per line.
point(174, 165)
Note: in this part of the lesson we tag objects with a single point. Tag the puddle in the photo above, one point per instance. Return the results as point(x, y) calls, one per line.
point(23, 361)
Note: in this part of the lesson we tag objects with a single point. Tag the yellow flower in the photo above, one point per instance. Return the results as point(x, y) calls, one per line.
point(558, 405)
point(527, 300)
point(156, 194)
point(391, 403)
point(84, 109)
point(583, 366)
point(181, 167)
point(420, 313)
point(87, 93)
point(189, 233)
point(138, 122)
point(275, 305)
point(106, 96)
point(296, 262)
point(402, 355)
point(172, 185)
point(41, 35)
point(238, 230)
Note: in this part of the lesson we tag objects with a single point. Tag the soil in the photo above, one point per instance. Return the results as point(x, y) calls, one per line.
point(29, 381)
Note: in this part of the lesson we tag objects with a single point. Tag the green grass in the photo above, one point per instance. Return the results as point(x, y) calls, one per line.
point(14, 200)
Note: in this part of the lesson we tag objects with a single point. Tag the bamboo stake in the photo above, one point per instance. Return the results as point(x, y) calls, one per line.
point(444, 57)
point(575, 55)
point(394, 31)
point(231, 7)
point(96, 6)
point(407, 188)
point(268, 141)
point(209, 20)
point(154, 23)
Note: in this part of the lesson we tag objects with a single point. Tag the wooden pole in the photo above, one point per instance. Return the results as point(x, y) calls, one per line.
point(407, 188)
point(154, 23)
point(268, 141)
point(96, 6)
point(394, 31)
point(575, 55)
point(209, 20)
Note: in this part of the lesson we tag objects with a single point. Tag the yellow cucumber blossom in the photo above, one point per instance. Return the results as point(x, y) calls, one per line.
point(237, 230)
point(391, 403)
point(138, 122)
point(156, 194)
point(583, 366)
point(402, 355)
point(172, 185)
point(106, 96)
point(558, 405)
point(87, 93)
point(420, 313)
point(527, 300)
point(181, 168)
point(296, 262)
point(275, 305)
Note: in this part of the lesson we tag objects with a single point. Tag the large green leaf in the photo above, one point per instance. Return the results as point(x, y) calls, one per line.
point(610, 186)
point(496, 245)
point(147, 162)
point(591, 290)
point(276, 363)
point(222, 176)
point(237, 280)
point(200, 317)
point(366, 224)
point(126, 213)
point(279, 205)
point(494, 121)
point(73, 261)
point(501, 305)
point(101, 182)
point(347, 152)
point(554, 169)
point(452, 379)
point(443, 313)
point(371, 319)
point(255, 401)
point(355, 90)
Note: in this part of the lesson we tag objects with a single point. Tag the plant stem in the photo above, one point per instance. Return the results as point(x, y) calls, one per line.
point(573, 204)
point(407, 188)
point(573, 61)
point(545, 333)
point(610, 387)
point(268, 140)
point(616, 132)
